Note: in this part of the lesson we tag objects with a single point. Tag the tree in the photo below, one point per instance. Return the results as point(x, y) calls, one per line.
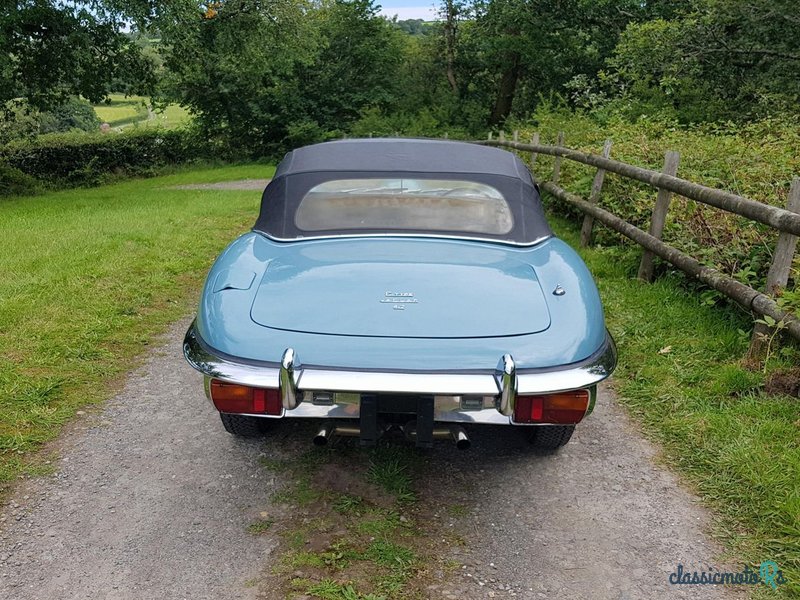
point(451, 12)
point(267, 73)
point(53, 50)
point(74, 114)
point(531, 47)
point(716, 59)
point(357, 65)
point(232, 63)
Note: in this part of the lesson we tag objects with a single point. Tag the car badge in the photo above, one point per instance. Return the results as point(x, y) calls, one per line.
point(399, 300)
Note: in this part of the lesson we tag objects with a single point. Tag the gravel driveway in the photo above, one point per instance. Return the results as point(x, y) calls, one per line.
point(152, 499)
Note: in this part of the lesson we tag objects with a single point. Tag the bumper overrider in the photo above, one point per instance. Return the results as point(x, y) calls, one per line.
point(493, 397)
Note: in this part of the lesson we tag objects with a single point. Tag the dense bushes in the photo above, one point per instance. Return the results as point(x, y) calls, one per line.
point(14, 182)
point(75, 114)
point(757, 160)
point(91, 159)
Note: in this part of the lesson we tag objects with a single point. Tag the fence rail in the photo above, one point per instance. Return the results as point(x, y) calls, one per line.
point(787, 221)
point(777, 218)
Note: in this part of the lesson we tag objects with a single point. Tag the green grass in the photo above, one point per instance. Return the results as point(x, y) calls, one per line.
point(457, 511)
point(391, 469)
point(681, 375)
point(379, 523)
point(125, 111)
point(349, 504)
point(260, 526)
point(301, 493)
point(90, 277)
point(332, 590)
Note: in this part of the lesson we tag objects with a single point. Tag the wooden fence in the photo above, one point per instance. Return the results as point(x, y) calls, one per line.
point(786, 221)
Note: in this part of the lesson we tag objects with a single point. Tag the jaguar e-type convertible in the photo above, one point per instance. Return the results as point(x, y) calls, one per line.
point(412, 285)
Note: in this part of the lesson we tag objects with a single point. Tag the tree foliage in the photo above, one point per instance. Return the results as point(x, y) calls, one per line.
point(265, 74)
point(715, 59)
point(52, 50)
point(283, 71)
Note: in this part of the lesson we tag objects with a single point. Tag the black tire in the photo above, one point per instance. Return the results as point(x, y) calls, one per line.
point(243, 425)
point(550, 437)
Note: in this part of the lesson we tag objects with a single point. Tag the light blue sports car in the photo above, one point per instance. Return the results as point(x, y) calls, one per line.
point(401, 284)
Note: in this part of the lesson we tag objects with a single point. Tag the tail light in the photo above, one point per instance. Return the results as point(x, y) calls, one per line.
point(235, 398)
point(564, 407)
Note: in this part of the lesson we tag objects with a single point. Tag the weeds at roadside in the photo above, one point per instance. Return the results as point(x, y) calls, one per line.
point(457, 511)
point(260, 526)
point(683, 374)
point(350, 533)
point(391, 468)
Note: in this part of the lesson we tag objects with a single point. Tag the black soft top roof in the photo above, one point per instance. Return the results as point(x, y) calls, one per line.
point(306, 167)
point(403, 155)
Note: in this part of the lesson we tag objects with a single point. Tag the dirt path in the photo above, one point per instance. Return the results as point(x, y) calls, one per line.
point(241, 184)
point(152, 499)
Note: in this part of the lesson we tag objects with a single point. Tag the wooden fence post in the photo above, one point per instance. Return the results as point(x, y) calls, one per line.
point(516, 135)
point(778, 275)
point(502, 135)
point(446, 135)
point(557, 160)
point(597, 187)
point(490, 136)
point(535, 142)
point(659, 216)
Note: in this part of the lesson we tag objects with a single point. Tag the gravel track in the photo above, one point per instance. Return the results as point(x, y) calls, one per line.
point(242, 184)
point(151, 499)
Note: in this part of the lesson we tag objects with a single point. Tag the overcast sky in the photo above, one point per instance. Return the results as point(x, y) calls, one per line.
point(408, 9)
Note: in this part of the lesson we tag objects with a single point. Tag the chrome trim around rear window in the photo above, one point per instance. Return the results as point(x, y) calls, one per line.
point(440, 236)
point(490, 383)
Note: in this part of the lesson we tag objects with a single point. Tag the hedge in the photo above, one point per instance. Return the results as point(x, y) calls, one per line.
point(757, 160)
point(90, 159)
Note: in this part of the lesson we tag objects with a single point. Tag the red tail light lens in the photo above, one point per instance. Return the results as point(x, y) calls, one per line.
point(235, 398)
point(564, 407)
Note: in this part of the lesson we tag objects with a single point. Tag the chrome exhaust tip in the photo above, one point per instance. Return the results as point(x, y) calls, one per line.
point(325, 432)
point(460, 437)
point(330, 429)
point(454, 432)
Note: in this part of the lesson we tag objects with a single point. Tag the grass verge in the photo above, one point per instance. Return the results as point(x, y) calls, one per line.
point(90, 277)
point(681, 373)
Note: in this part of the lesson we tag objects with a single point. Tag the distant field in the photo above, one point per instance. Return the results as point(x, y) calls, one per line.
point(90, 276)
point(132, 111)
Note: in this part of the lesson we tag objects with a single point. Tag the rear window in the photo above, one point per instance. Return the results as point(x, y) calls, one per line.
point(404, 204)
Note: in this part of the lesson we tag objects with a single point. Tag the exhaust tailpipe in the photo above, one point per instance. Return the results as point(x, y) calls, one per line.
point(454, 432)
point(460, 437)
point(325, 432)
point(330, 429)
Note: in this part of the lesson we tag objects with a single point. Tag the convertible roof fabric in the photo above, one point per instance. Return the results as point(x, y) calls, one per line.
point(403, 155)
point(304, 168)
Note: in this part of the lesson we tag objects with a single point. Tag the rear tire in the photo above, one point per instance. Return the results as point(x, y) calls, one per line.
point(243, 425)
point(550, 437)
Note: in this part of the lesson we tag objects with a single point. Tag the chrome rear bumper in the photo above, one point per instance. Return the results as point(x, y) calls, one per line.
point(490, 396)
